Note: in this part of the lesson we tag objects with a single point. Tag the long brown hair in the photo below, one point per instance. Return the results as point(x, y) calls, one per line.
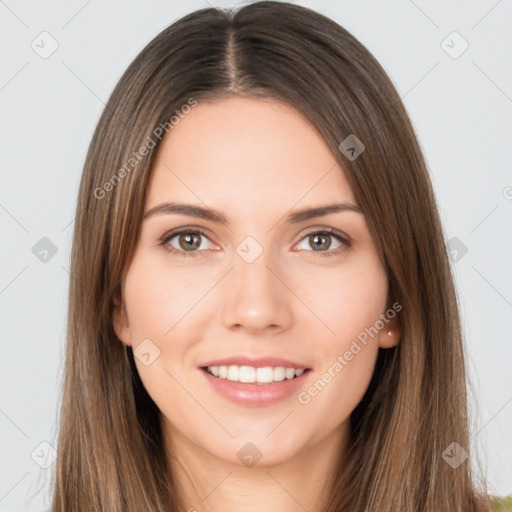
point(110, 449)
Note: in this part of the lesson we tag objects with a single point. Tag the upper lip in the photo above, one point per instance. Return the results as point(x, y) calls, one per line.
point(256, 362)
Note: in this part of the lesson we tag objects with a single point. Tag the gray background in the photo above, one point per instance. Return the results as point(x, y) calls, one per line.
point(460, 105)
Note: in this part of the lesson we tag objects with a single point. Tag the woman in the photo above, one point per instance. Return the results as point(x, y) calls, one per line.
point(262, 314)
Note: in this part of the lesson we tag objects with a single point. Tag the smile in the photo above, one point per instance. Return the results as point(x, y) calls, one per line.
point(279, 383)
point(250, 374)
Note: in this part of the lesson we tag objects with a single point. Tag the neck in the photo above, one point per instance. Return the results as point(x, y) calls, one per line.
point(209, 484)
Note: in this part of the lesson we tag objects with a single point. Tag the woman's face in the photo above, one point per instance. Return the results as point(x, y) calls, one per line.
point(264, 290)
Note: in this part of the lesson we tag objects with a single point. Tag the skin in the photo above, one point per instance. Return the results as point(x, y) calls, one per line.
point(255, 161)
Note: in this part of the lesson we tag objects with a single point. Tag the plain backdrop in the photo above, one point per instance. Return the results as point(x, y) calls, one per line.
point(451, 63)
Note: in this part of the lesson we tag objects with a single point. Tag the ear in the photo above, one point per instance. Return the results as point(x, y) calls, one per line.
point(391, 333)
point(120, 319)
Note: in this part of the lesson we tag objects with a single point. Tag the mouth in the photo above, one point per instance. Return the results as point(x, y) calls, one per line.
point(262, 376)
point(252, 386)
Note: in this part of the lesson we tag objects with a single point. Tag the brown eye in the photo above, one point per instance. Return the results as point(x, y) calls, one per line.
point(320, 241)
point(186, 242)
point(189, 241)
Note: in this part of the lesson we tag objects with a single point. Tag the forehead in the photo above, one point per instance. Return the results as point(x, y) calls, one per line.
point(236, 152)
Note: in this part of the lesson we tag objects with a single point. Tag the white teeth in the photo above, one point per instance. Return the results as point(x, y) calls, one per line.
point(265, 375)
point(279, 373)
point(249, 374)
point(289, 373)
point(233, 373)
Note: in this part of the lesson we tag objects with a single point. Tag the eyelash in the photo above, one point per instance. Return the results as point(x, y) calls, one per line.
point(347, 244)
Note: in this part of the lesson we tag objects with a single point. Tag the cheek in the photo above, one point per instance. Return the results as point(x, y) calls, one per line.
point(160, 299)
point(347, 299)
point(349, 302)
point(346, 356)
point(159, 295)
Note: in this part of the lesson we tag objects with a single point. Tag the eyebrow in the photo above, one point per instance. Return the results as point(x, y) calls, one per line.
point(216, 216)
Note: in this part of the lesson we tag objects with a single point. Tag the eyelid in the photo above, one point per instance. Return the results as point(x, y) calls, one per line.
point(323, 229)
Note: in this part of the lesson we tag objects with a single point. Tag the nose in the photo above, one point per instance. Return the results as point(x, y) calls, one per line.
point(257, 297)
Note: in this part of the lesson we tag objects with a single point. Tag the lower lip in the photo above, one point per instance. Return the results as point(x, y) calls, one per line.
point(255, 394)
